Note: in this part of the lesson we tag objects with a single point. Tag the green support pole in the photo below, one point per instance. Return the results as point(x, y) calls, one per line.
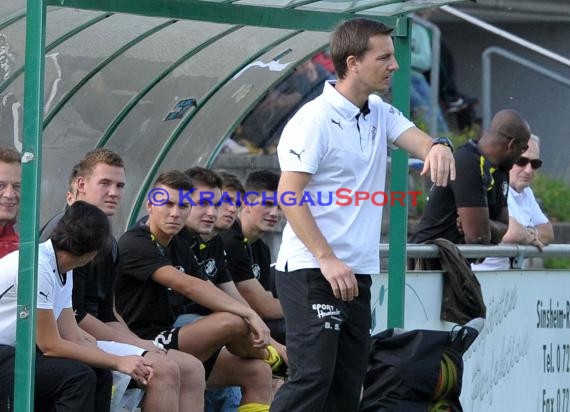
point(30, 200)
point(399, 182)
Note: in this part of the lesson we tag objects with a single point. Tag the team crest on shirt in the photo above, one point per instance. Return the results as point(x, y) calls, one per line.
point(180, 268)
point(505, 189)
point(210, 267)
point(395, 111)
point(256, 270)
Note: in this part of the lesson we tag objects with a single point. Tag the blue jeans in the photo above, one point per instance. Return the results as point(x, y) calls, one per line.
point(215, 400)
point(420, 102)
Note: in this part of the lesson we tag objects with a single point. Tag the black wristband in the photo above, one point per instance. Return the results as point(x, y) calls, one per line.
point(443, 141)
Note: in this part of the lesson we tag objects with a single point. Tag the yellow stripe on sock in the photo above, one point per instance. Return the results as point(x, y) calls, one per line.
point(274, 360)
point(253, 407)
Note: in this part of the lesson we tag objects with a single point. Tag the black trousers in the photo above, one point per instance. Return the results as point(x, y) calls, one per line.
point(60, 384)
point(328, 342)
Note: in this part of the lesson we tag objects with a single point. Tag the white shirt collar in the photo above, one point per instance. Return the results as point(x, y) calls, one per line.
point(341, 104)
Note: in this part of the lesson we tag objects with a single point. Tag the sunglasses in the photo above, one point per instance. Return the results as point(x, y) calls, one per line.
point(534, 163)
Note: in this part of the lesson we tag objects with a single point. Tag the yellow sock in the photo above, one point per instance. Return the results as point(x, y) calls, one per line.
point(253, 407)
point(274, 360)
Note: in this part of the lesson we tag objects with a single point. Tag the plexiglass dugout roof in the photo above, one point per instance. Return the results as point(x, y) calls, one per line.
point(163, 86)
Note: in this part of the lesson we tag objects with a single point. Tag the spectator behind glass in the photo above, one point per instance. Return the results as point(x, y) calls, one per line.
point(262, 127)
point(420, 90)
point(10, 182)
point(527, 223)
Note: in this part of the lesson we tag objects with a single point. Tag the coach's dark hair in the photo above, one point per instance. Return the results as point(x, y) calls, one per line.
point(174, 179)
point(203, 176)
point(262, 180)
point(83, 228)
point(351, 39)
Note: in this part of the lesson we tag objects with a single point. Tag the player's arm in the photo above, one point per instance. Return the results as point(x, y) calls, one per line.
point(206, 294)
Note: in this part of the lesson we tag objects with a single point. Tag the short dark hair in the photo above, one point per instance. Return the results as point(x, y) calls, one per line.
point(231, 181)
point(82, 229)
point(351, 38)
point(206, 177)
point(174, 179)
point(100, 155)
point(10, 156)
point(260, 180)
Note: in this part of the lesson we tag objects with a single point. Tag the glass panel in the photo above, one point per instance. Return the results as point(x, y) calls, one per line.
point(85, 117)
point(140, 138)
point(227, 107)
point(60, 21)
point(84, 51)
point(406, 7)
point(267, 3)
point(330, 5)
point(9, 7)
point(13, 37)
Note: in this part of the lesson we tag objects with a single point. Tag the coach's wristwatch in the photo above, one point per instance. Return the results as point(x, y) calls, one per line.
point(444, 141)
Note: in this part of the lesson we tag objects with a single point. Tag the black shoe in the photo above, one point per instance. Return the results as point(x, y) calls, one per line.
point(455, 106)
point(281, 372)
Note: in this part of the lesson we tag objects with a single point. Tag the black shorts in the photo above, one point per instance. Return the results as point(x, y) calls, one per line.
point(169, 340)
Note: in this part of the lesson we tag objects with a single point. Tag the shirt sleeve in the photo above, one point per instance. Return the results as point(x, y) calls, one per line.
point(140, 256)
point(302, 144)
point(394, 120)
point(46, 286)
point(468, 187)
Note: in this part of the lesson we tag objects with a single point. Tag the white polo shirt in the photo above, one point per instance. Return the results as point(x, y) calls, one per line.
point(54, 290)
point(343, 149)
point(524, 208)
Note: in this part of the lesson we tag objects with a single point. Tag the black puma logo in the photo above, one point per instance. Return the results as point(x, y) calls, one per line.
point(6, 291)
point(296, 154)
point(45, 295)
point(337, 123)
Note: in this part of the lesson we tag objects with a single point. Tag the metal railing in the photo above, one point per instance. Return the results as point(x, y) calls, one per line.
point(518, 252)
point(514, 39)
point(486, 79)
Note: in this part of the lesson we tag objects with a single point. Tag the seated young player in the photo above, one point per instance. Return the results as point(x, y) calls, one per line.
point(178, 380)
point(60, 383)
point(81, 232)
point(249, 257)
point(153, 261)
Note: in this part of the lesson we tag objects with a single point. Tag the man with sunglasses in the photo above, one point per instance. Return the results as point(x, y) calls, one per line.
point(527, 223)
point(473, 208)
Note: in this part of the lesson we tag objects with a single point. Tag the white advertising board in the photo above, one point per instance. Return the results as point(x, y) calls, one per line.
point(521, 360)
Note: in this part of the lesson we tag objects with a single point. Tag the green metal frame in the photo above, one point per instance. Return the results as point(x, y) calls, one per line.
point(54, 112)
point(229, 12)
point(399, 183)
point(66, 36)
point(141, 94)
point(30, 200)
